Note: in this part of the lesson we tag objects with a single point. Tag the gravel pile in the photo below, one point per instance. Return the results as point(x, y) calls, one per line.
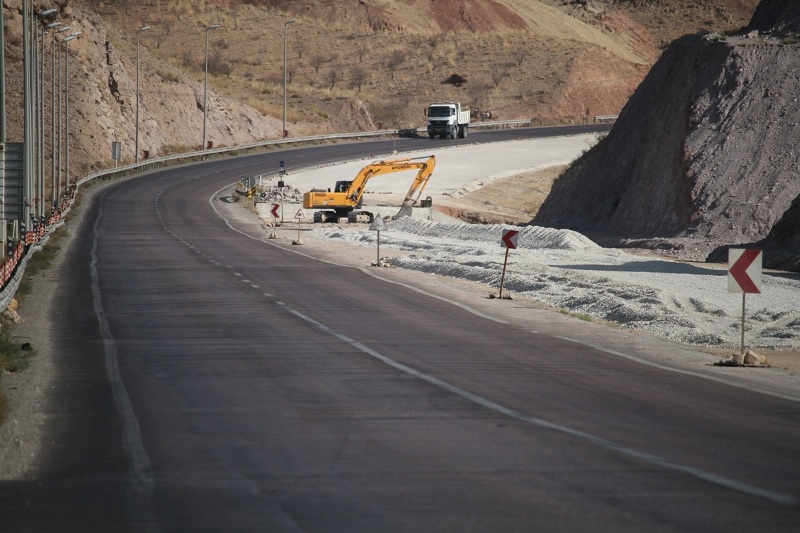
point(684, 302)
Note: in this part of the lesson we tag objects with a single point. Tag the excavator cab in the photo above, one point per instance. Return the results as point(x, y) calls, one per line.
point(342, 186)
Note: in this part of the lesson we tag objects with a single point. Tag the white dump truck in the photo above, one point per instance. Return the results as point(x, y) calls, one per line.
point(447, 119)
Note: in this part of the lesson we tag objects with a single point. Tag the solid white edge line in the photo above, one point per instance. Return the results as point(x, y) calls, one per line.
point(692, 373)
point(426, 293)
point(141, 475)
point(593, 439)
point(363, 269)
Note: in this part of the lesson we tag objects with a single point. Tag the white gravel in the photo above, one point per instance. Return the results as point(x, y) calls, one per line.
point(685, 302)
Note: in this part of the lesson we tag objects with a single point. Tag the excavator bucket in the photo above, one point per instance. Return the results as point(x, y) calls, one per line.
point(405, 211)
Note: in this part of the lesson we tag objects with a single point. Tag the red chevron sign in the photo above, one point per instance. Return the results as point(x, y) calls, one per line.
point(509, 239)
point(274, 210)
point(744, 270)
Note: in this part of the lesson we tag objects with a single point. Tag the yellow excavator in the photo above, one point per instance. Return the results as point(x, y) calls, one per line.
point(347, 196)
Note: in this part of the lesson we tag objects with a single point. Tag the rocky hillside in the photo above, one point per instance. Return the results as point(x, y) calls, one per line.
point(353, 65)
point(703, 155)
point(776, 18)
point(782, 245)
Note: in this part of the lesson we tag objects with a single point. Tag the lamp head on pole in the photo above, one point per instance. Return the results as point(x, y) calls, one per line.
point(213, 27)
point(47, 13)
point(289, 23)
point(144, 28)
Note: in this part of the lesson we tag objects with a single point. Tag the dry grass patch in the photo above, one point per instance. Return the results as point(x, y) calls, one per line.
point(513, 73)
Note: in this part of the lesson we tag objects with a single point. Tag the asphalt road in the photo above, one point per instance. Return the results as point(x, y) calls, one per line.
point(211, 382)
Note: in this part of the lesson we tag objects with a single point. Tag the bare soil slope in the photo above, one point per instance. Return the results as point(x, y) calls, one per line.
point(352, 65)
point(512, 200)
point(702, 156)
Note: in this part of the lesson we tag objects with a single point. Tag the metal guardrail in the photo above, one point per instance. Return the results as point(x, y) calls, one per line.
point(484, 124)
point(158, 162)
point(606, 118)
point(9, 289)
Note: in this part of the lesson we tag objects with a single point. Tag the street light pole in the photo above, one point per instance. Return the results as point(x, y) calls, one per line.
point(3, 104)
point(37, 192)
point(57, 152)
point(27, 183)
point(4, 229)
point(205, 87)
point(66, 104)
point(285, 28)
point(138, 32)
point(53, 193)
point(45, 27)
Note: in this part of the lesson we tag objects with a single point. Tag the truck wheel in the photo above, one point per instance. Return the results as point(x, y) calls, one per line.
point(462, 132)
point(431, 135)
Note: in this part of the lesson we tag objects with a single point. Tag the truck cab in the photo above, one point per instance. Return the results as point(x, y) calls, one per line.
point(447, 119)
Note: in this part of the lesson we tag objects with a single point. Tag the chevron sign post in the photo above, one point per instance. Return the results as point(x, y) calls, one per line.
point(275, 217)
point(744, 275)
point(509, 239)
point(744, 270)
point(509, 242)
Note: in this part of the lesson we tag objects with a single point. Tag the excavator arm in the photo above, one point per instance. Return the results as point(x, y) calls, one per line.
point(420, 181)
point(347, 195)
point(424, 164)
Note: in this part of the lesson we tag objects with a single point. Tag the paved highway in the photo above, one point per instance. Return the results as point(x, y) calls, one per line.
point(208, 381)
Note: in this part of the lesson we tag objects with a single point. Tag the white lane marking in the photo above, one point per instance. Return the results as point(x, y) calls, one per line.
point(266, 241)
point(141, 475)
point(629, 357)
point(426, 293)
point(653, 459)
point(588, 437)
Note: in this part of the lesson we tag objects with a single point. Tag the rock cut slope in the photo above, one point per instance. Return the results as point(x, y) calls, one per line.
point(703, 155)
point(777, 17)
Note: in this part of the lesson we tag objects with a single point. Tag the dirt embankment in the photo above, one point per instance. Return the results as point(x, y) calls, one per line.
point(513, 200)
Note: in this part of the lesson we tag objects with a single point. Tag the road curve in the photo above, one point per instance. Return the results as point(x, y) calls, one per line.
point(211, 381)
